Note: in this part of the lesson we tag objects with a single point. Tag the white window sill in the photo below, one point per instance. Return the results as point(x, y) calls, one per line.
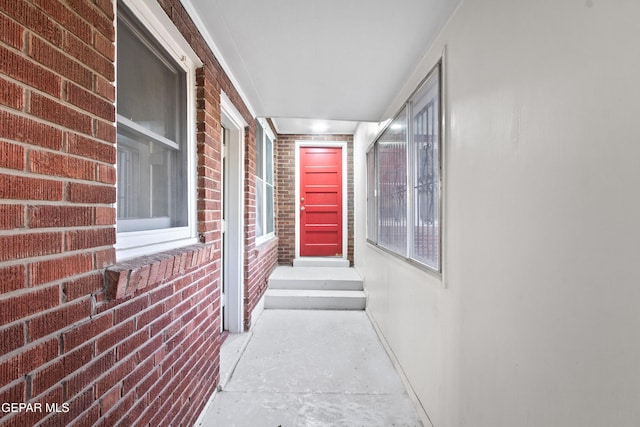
point(124, 253)
point(264, 239)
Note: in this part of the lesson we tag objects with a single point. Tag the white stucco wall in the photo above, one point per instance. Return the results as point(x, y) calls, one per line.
point(539, 322)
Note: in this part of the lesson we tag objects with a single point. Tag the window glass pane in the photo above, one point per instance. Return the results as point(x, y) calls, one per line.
point(264, 183)
point(268, 159)
point(150, 85)
point(392, 185)
point(372, 214)
point(152, 161)
point(259, 207)
point(426, 180)
point(259, 150)
point(269, 207)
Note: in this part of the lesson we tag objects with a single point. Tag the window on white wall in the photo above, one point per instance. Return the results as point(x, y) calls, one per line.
point(404, 179)
point(372, 214)
point(264, 182)
point(155, 145)
point(392, 185)
point(425, 113)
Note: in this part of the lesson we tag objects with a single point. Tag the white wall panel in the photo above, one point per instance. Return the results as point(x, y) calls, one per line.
point(538, 324)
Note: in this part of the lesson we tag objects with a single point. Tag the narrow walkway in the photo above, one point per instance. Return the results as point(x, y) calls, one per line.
point(313, 368)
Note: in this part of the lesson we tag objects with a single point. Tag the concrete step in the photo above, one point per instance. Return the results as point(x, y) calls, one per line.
point(321, 262)
point(304, 299)
point(315, 278)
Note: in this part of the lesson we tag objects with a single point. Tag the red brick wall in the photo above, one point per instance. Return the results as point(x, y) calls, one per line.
point(259, 260)
point(141, 346)
point(260, 263)
point(285, 192)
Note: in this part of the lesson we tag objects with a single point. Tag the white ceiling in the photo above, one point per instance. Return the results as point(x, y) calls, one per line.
point(300, 61)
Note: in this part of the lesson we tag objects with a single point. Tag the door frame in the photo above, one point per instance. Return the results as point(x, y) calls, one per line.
point(345, 224)
point(233, 248)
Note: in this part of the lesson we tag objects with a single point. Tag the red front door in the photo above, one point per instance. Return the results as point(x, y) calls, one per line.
point(320, 201)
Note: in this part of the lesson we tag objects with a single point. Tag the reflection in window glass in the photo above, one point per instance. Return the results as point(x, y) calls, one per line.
point(372, 214)
point(426, 182)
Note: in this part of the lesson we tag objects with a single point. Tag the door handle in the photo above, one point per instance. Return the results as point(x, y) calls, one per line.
point(301, 208)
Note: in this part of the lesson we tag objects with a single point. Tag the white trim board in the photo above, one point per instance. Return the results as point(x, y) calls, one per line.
point(233, 268)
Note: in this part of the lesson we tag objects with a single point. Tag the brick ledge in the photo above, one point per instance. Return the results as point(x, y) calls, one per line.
point(125, 278)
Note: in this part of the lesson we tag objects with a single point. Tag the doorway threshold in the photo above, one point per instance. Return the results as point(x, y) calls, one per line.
point(321, 262)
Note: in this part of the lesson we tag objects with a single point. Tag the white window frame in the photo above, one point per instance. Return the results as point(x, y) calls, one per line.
point(158, 24)
point(266, 131)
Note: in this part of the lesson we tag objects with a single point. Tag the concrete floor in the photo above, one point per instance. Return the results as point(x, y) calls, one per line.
point(312, 368)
